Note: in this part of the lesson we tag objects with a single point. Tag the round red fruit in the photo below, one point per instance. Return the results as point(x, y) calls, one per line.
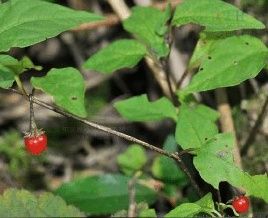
point(35, 145)
point(241, 204)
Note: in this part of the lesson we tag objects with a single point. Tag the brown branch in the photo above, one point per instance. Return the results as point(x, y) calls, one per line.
point(113, 19)
point(255, 128)
point(175, 156)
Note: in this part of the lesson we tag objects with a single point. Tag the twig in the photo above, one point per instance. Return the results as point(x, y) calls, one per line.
point(183, 77)
point(254, 130)
point(113, 19)
point(226, 121)
point(132, 208)
point(175, 156)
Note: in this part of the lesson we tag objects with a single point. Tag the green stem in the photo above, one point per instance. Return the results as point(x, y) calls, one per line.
point(217, 213)
point(20, 85)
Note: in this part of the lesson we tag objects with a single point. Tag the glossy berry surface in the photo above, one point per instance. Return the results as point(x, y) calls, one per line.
point(35, 145)
point(241, 204)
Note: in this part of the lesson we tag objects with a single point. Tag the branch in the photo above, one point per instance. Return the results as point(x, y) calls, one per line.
point(254, 130)
point(176, 156)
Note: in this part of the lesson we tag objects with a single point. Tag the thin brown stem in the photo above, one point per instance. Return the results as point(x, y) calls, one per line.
point(255, 128)
point(175, 156)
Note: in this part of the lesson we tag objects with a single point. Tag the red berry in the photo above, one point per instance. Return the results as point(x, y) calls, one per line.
point(35, 145)
point(241, 204)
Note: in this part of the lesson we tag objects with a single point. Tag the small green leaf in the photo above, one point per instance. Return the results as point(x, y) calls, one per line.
point(21, 203)
point(147, 213)
point(193, 129)
point(139, 108)
point(165, 168)
point(105, 194)
point(218, 152)
point(120, 54)
point(184, 210)
point(7, 77)
point(225, 67)
point(133, 159)
point(144, 23)
point(67, 87)
point(18, 67)
point(27, 22)
point(215, 15)
point(162, 27)
point(204, 205)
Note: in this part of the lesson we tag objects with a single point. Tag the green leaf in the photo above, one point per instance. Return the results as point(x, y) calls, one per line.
point(120, 54)
point(162, 27)
point(193, 129)
point(148, 213)
point(184, 210)
point(27, 22)
point(139, 108)
point(18, 67)
point(7, 77)
point(103, 194)
point(67, 87)
point(133, 159)
point(21, 203)
point(144, 23)
point(165, 168)
point(218, 151)
point(229, 62)
point(215, 15)
point(204, 205)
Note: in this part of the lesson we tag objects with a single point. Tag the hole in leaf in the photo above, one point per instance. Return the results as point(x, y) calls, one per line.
point(246, 43)
point(74, 98)
point(201, 68)
point(209, 57)
point(206, 139)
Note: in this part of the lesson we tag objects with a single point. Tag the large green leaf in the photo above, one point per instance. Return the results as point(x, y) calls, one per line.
point(229, 62)
point(193, 128)
point(120, 54)
point(204, 205)
point(67, 87)
point(139, 108)
point(214, 162)
point(144, 24)
point(103, 194)
point(215, 15)
point(21, 203)
point(27, 22)
point(133, 159)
